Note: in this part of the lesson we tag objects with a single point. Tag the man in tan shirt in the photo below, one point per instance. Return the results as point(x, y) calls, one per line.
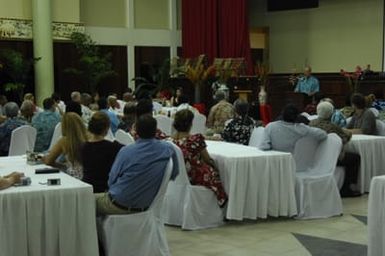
point(220, 113)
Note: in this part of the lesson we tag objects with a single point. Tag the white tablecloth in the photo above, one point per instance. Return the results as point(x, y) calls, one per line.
point(371, 149)
point(40, 220)
point(376, 217)
point(258, 183)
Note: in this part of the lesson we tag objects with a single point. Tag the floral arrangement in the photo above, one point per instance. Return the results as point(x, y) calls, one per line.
point(262, 71)
point(353, 78)
point(197, 72)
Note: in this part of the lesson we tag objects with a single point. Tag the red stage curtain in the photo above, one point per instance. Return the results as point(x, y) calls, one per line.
point(234, 34)
point(217, 28)
point(200, 28)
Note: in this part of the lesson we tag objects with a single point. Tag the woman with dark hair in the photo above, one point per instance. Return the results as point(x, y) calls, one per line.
point(98, 154)
point(363, 120)
point(129, 116)
point(175, 99)
point(200, 167)
point(239, 129)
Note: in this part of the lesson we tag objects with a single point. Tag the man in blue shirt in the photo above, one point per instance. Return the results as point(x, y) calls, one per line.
point(307, 83)
point(137, 172)
point(114, 119)
point(45, 123)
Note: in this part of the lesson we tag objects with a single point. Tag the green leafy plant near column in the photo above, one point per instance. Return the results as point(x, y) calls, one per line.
point(16, 70)
point(94, 66)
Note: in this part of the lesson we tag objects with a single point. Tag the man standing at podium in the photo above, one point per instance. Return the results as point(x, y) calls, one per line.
point(307, 83)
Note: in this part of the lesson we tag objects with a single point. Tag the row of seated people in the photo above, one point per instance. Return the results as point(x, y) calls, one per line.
point(282, 135)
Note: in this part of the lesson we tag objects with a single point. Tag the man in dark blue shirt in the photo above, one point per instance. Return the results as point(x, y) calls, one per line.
point(137, 172)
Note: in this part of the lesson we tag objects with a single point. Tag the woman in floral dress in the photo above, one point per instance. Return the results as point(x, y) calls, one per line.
point(200, 167)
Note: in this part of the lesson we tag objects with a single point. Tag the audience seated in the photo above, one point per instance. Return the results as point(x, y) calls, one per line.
point(74, 135)
point(311, 108)
point(12, 122)
point(240, 128)
point(113, 105)
point(351, 161)
point(337, 118)
point(27, 111)
point(137, 172)
point(363, 120)
point(86, 112)
point(10, 179)
point(74, 107)
point(98, 154)
point(283, 135)
point(45, 123)
point(29, 96)
point(114, 120)
point(175, 97)
point(200, 167)
point(184, 104)
point(94, 103)
point(219, 113)
point(144, 107)
point(129, 115)
point(59, 104)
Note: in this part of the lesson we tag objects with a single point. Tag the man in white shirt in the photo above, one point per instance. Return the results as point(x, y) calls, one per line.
point(86, 111)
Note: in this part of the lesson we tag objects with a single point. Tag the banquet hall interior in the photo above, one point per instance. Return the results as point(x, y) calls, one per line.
point(225, 77)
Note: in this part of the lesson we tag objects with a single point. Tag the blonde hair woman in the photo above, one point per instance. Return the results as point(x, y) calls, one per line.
point(74, 135)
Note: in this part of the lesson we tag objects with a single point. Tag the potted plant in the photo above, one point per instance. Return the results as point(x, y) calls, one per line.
point(15, 69)
point(93, 65)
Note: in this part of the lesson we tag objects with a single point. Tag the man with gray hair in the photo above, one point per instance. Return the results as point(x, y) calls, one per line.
point(220, 113)
point(351, 161)
point(12, 122)
point(86, 111)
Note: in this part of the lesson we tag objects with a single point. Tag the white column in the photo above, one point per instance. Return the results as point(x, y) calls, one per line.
point(173, 22)
point(43, 49)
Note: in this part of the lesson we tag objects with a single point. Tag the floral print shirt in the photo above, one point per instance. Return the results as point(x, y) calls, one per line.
point(239, 130)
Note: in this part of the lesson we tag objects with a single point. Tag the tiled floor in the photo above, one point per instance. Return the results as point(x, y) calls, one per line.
point(345, 235)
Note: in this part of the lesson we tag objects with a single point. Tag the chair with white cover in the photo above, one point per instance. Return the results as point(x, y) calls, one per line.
point(256, 136)
point(22, 140)
point(198, 124)
point(139, 233)
point(110, 136)
point(188, 206)
point(164, 123)
point(57, 133)
point(380, 125)
point(316, 189)
point(304, 152)
point(123, 137)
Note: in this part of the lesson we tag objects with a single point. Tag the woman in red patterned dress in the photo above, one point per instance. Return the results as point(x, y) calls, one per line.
point(200, 167)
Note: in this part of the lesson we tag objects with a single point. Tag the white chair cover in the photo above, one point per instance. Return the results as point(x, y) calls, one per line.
point(56, 135)
point(22, 140)
point(191, 207)
point(305, 114)
point(312, 117)
point(110, 136)
point(316, 189)
point(140, 233)
point(380, 125)
point(124, 137)
point(164, 123)
point(199, 123)
point(256, 137)
point(304, 152)
point(339, 175)
point(376, 217)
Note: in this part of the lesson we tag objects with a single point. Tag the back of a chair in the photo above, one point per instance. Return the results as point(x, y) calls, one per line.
point(327, 154)
point(22, 140)
point(182, 177)
point(56, 135)
point(304, 153)
point(380, 125)
point(256, 137)
point(199, 123)
point(164, 123)
point(124, 137)
point(156, 205)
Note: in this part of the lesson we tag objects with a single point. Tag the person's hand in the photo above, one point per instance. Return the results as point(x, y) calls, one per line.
point(16, 177)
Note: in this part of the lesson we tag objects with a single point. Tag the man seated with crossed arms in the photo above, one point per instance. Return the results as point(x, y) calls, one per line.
point(137, 172)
